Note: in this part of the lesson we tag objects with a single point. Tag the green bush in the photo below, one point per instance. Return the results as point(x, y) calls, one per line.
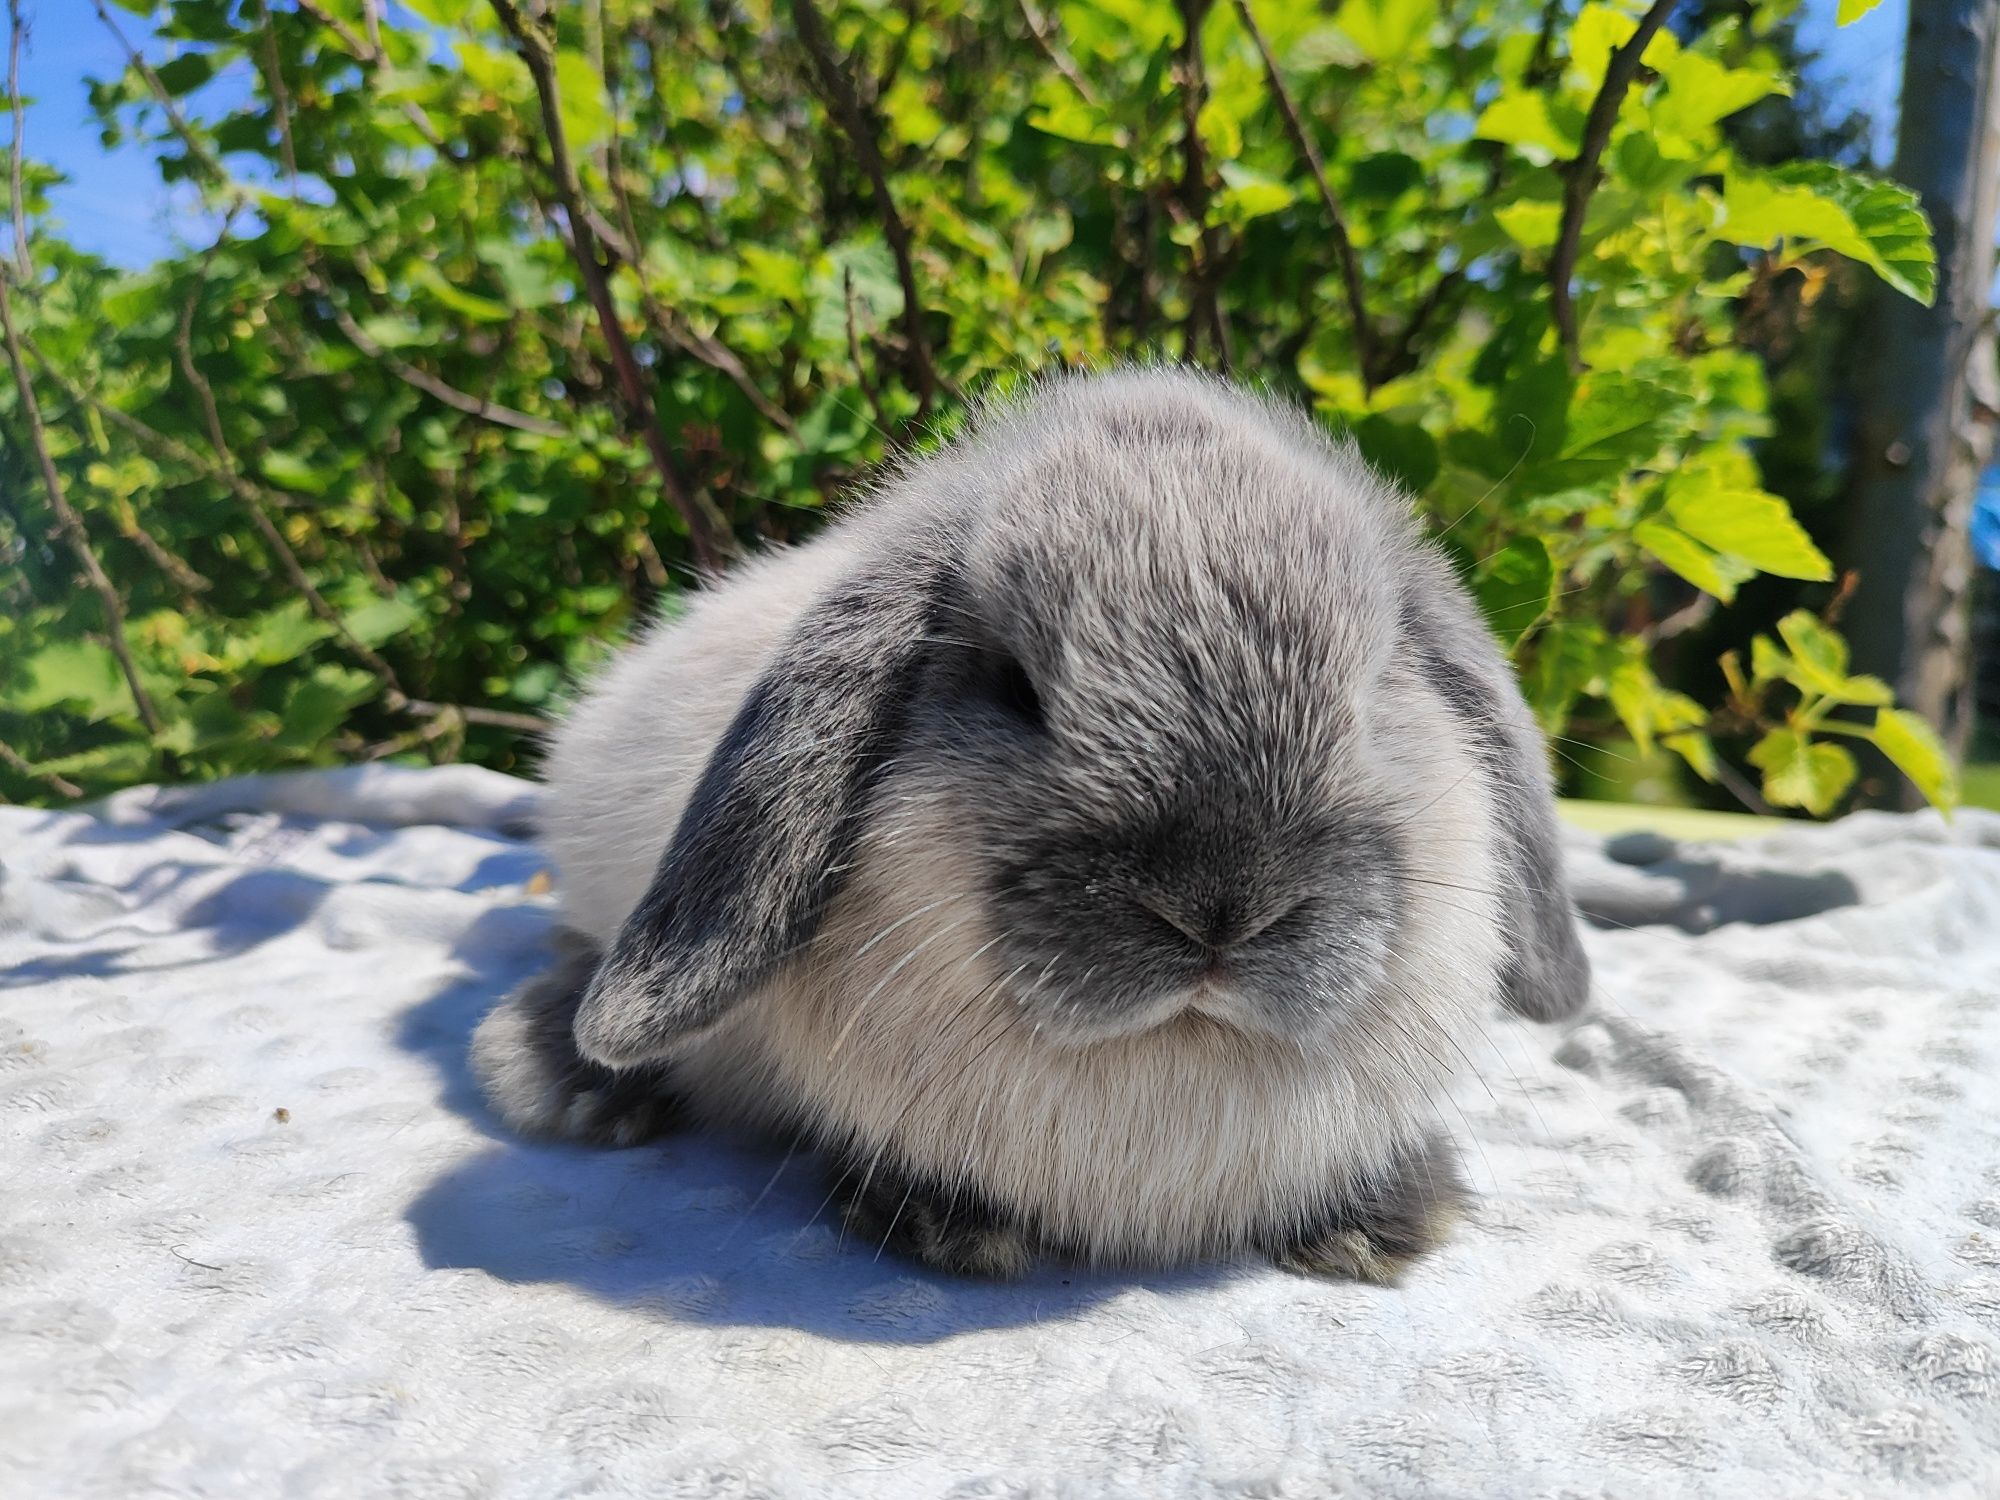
point(505, 324)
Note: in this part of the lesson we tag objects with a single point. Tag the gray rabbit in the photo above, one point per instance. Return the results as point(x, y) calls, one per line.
point(1096, 844)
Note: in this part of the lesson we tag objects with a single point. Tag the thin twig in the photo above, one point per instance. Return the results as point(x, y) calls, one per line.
point(1343, 243)
point(868, 386)
point(707, 348)
point(16, 32)
point(1402, 356)
point(429, 384)
point(837, 89)
point(14, 761)
point(159, 441)
point(197, 149)
point(364, 53)
point(708, 534)
point(1044, 36)
point(1204, 302)
point(369, 55)
point(1580, 176)
point(273, 538)
point(70, 524)
point(1541, 61)
point(281, 99)
point(1737, 787)
point(183, 577)
point(496, 718)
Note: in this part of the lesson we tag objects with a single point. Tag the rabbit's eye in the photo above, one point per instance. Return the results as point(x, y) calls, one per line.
point(1015, 691)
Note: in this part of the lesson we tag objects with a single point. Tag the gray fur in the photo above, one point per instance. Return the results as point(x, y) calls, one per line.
point(1109, 825)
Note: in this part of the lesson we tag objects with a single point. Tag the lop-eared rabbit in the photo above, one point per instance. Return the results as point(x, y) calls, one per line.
point(1095, 843)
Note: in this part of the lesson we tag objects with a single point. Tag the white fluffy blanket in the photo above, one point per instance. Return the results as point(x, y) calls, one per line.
point(1740, 1233)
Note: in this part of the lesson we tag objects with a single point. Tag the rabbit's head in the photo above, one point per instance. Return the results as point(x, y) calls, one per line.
point(1208, 732)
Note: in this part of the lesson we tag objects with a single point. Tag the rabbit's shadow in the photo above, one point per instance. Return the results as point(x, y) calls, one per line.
point(698, 1228)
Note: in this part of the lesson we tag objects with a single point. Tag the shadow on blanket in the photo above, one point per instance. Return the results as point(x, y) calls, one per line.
point(705, 1229)
point(1645, 879)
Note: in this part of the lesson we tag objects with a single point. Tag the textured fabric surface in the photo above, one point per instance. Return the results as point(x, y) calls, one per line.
point(1739, 1235)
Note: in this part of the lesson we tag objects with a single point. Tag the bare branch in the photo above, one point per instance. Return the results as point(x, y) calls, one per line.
point(16, 31)
point(1580, 176)
point(14, 761)
point(708, 534)
point(855, 122)
point(1365, 345)
point(70, 524)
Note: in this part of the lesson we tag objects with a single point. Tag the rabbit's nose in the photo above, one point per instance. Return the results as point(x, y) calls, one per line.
point(1215, 925)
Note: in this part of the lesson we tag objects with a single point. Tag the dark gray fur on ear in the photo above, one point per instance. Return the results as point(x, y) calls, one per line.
point(754, 860)
point(1548, 975)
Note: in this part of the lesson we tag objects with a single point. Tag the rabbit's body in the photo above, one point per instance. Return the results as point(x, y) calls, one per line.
point(1153, 941)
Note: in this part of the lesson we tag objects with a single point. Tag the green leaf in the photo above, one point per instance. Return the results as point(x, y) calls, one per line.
point(1819, 663)
point(1767, 662)
point(188, 71)
point(1701, 91)
point(1876, 223)
point(1401, 450)
point(1750, 524)
point(114, 765)
point(1248, 195)
point(1529, 223)
point(1386, 30)
point(1646, 708)
point(493, 70)
point(81, 676)
point(380, 619)
point(317, 705)
point(445, 13)
point(284, 633)
point(1525, 119)
point(1696, 749)
point(1071, 119)
point(1687, 557)
point(1849, 11)
point(480, 309)
point(1799, 772)
point(289, 471)
point(1910, 742)
point(585, 106)
point(1515, 587)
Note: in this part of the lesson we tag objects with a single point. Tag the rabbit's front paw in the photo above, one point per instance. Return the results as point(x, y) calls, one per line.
point(526, 1059)
point(1376, 1230)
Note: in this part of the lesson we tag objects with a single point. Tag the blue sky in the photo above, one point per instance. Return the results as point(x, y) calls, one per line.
point(115, 205)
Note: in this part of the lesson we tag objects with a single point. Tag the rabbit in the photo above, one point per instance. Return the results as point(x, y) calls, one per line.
point(1095, 843)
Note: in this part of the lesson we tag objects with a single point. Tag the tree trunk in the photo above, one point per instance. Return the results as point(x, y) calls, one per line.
point(1927, 397)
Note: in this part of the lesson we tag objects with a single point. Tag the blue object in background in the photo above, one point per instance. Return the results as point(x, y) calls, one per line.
point(1986, 520)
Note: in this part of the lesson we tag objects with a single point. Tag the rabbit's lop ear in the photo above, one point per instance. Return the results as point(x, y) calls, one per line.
point(1547, 977)
point(756, 855)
